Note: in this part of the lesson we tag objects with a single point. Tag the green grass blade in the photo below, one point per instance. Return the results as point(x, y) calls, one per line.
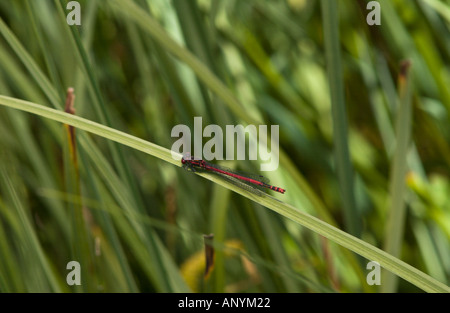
point(219, 207)
point(130, 10)
point(342, 238)
point(440, 7)
point(340, 125)
point(29, 62)
point(397, 208)
point(92, 127)
point(150, 26)
point(100, 107)
point(43, 278)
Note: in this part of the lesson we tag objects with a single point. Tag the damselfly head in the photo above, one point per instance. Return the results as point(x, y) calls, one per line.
point(186, 156)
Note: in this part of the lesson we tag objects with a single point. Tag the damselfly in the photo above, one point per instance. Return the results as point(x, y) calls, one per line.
point(254, 181)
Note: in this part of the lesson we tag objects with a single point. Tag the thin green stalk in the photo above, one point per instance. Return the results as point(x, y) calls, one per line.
point(340, 125)
point(219, 207)
point(397, 207)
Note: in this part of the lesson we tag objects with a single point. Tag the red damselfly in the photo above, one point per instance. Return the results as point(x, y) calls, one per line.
point(254, 181)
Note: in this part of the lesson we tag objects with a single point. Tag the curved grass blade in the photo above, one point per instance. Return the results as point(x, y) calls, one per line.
point(387, 261)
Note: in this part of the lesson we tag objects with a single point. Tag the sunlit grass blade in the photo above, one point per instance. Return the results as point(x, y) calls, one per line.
point(340, 237)
point(343, 163)
point(150, 26)
point(95, 128)
point(440, 7)
point(397, 207)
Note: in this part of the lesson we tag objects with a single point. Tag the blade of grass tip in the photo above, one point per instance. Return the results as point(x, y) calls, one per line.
point(334, 234)
point(100, 108)
point(92, 127)
point(397, 206)
point(340, 126)
point(79, 237)
point(209, 254)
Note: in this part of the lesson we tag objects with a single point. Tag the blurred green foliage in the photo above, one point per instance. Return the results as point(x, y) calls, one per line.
point(243, 62)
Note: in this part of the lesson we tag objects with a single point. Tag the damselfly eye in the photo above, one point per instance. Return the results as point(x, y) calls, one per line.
point(187, 156)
